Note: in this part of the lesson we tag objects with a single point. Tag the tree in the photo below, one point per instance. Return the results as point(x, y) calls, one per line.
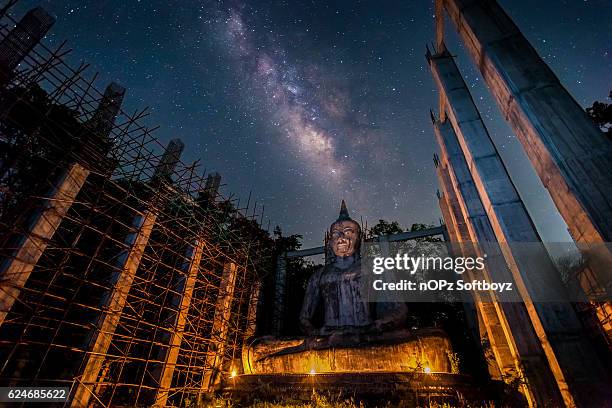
point(384, 228)
point(601, 114)
point(421, 227)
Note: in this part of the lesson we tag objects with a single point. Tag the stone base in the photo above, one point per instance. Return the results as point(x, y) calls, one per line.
point(384, 389)
point(425, 350)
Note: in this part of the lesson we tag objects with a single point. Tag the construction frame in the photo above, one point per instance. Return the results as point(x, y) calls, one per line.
point(125, 275)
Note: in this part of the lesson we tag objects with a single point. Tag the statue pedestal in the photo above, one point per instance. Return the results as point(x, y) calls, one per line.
point(425, 350)
point(397, 389)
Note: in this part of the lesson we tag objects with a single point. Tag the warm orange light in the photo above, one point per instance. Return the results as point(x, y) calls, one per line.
point(427, 370)
point(312, 372)
point(233, 374)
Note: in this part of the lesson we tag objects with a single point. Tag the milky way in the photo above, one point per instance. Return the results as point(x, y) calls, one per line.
point(304, 108)
point(306, 102)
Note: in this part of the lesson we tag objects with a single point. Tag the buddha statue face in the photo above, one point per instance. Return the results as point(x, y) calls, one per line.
point(345, 237)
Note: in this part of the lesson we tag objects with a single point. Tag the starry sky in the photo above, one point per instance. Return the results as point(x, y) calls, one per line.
point(305, 103)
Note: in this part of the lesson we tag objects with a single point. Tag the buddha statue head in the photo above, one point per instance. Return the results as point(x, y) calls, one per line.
point(344, 238)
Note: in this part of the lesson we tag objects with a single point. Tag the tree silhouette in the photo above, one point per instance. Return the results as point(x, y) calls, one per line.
point(384, 228)
point(601, 114)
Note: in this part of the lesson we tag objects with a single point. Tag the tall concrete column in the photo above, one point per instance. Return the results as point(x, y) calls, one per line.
point(507, 363)
point(280, 282)
point(103, 119)
point(479, 328)
point(22, 39)
point(251, 326)
point(211, 187)
point(191, 270)
point(114, 301)
point(489, 197)
point(16, 270)
point(514, 342)
point(220, 328)
point(569, 153)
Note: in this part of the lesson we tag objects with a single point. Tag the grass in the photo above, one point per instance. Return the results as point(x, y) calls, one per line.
point(319, 401)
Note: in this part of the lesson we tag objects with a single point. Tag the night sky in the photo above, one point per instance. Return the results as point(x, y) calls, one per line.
point(306, 103)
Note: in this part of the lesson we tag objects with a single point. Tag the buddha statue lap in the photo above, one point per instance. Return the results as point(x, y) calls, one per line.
point(356, 336)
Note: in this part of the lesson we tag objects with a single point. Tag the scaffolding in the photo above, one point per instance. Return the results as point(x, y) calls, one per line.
point(125, 275)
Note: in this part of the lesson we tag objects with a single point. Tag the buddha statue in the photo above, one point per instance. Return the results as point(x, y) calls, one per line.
point(337, 289)
point(355, 335)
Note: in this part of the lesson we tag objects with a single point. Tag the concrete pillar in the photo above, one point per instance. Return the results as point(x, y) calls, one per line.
point(22, 39)
point(127, 266)
point(220, 328)
point(280, 282)
point(15, 271)
point(168, 161)
point(569, 153)
point(506, 361)
point(114, 303)
point(191, 270)
point(251, 326)
point(508, 325)
point(103, 119)
point(557, 328)
point(383, 245)
point(480, 330)
point(211, 187)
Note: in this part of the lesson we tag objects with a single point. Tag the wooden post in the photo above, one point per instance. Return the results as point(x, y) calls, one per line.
point(15, 271)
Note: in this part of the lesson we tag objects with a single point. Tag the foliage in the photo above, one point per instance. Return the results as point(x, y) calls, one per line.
point(298, 271)
point(455, 361)
point(37, 139)
point(421, 227)
point(286, 243)
point(320, 401)
point(384, 228)
point(601, 114)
